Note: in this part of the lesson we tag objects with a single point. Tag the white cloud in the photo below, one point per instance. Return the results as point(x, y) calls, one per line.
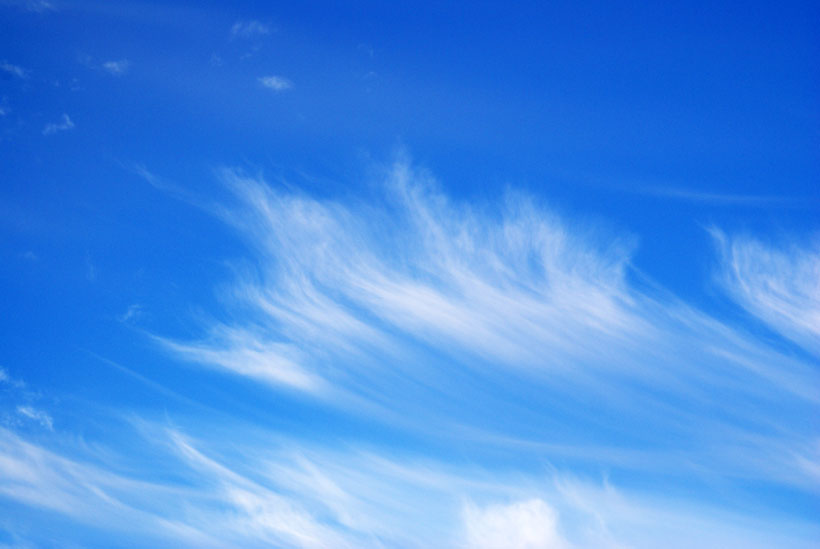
point(246, 354)
point(422, 302)
point(489, 289)
point(64, 124)
point(780, 285)
point(39, 416)
point(91, 494)
point(261, 513)
point(514, 332)
point(530, 524)
point(116, 68)
point(276, 83)
point(134, 311)
point(13, 70)
point(5, 378)
point(287, 495)
point(249, 29)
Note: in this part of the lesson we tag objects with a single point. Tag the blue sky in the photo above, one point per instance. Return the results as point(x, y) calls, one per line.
point(447, 275)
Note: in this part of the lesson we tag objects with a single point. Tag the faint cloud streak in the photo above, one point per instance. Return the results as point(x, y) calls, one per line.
point(65, 124)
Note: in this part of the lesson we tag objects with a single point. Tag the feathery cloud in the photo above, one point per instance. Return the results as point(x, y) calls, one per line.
point(297, 496)
point(422, 308)
point(500, 332)
point(780, 285)
point(39, 416)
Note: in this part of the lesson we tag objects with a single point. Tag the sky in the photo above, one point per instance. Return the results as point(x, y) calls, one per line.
point(457, 275)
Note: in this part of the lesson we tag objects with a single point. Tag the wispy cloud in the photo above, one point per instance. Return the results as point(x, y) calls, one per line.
point(8, 380)
point(38, 6)
point(64, 124)
point(288, 495)
point(87, 493)
point(422, 307)
point(276, 83)
point(779, 284)
point(39, 416)
point(243, 353)
point(505, 343)
point(13, 70)
point(117, 68)
point(249, 29)
point(133, 312)
point(719, 199)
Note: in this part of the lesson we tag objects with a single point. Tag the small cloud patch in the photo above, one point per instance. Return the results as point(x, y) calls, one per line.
point(528, 524)
point(64, 124)
point(133, 312)
point(249, 29)
point(117, 68)
point(276, 83)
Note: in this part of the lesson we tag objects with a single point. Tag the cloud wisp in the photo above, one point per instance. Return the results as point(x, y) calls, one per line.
point(276, 83)
point(249, 29)
point(13, 70)
point(780, 285)
point(290, 495)
point(39, 416)
point(117, 68)
point(719, 199)
point(64, 124)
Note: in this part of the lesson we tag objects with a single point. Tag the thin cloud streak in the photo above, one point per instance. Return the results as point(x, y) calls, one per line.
point(720, 199)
